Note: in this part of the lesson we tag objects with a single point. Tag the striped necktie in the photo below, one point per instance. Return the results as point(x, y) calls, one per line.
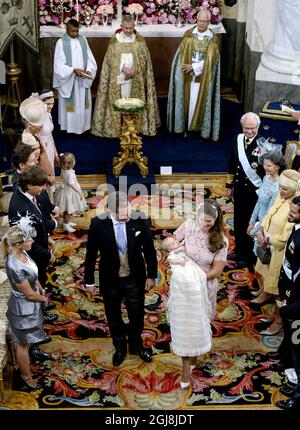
point(34, 201)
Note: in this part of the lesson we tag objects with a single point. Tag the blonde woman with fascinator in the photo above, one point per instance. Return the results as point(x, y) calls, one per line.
point(24, 311)
point(275, 230)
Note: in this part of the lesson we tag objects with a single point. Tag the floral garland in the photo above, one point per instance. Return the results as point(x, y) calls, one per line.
point(85, 8)
point(149, 11)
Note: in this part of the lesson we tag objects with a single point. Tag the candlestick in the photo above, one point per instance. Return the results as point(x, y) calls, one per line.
point(60, 9)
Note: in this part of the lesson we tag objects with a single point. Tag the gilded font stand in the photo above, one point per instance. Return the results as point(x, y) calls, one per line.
point(131, 143)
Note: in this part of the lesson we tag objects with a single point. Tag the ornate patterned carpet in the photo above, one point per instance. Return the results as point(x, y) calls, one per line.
point(234, 375)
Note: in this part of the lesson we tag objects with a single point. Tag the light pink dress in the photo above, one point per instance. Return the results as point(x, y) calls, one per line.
point(196, 247)
point(47, 139)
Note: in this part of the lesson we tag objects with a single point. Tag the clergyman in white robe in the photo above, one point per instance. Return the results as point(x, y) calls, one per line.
point(65, 81)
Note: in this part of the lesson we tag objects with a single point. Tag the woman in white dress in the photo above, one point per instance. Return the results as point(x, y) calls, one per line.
point(69, 196)
point(188, 306)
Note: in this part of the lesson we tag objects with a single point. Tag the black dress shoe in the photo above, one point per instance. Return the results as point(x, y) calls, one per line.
point(37, 354)
point(273, 355)
point(118, 358)
point(45, 340)
point(288, 404)
point(145, 354)
point(288, 391)
point(49, 318)
point(50, 306)
point(277, 367)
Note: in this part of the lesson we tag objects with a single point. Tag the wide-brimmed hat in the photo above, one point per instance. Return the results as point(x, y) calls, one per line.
point(33, 111)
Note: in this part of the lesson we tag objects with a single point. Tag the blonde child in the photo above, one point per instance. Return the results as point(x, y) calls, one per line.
point(69, 197)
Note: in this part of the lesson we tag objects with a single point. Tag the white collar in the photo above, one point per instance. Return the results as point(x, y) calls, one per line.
point(250, 138)
point(116, 221)
point(122, 38)
point(297, 226)
point(207, 32)
point(28, 195)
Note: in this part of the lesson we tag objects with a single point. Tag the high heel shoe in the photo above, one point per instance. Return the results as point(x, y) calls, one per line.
point(262, 298)
point(256, 293)
point(274, 328)
point(184, 385)
point(30, 383)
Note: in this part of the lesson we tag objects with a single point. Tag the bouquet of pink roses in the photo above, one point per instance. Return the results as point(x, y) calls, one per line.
point(48, 17)
point(213, 6)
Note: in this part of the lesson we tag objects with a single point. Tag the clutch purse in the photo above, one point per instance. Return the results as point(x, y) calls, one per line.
point(264, 254)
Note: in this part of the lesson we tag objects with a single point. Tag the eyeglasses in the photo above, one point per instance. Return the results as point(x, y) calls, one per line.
point(202, 22)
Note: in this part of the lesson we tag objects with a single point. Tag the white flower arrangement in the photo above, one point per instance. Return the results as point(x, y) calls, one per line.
point(135, 8)
point(105, 9)
point(129, 104)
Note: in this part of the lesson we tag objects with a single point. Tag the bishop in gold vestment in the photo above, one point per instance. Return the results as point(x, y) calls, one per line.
point(126, 72)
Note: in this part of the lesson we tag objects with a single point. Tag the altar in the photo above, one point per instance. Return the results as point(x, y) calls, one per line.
point(162, 41)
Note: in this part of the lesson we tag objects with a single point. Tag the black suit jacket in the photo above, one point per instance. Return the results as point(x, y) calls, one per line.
point(43, 200)
point(291, 292)
point(20, 204)
point(140, 248)
point(240, 180)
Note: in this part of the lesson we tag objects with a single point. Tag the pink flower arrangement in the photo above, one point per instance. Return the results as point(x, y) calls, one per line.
point(105, 9)
point(149, 11)
point(49, 17)
point(167, 11)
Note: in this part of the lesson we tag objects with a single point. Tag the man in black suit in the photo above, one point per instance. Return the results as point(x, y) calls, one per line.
point(243, 179)
point(23, 156)
point(125, 243)
point(289, 291)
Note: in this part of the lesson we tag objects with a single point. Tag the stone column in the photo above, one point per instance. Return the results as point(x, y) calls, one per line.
point(278, 73)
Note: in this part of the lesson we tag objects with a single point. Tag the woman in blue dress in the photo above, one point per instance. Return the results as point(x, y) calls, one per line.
point(274, 163)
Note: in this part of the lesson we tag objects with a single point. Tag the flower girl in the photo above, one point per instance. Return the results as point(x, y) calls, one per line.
point(69, 197)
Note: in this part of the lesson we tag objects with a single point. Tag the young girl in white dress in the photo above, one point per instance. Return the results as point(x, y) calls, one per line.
point(69, 196)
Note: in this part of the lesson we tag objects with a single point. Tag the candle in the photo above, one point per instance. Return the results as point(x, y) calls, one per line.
point(119, 13)
point(77, 11)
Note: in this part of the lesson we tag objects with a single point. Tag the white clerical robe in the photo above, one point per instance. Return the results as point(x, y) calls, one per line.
point(64, 79)
point(127, 61)
point(197, 65)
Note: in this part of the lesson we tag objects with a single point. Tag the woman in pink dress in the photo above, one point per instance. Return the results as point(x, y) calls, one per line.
point(206, 244)
point(47, 97)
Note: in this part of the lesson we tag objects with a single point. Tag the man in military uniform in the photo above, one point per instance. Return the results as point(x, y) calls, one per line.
point(289, 291)
point(243, 179)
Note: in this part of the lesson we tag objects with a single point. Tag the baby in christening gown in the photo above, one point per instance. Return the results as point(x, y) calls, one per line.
point(189, 310)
